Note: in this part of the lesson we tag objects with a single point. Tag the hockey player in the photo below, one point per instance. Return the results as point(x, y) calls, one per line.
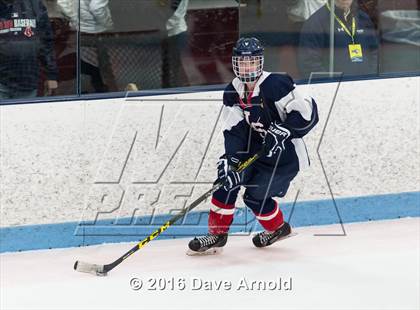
point(261, 110)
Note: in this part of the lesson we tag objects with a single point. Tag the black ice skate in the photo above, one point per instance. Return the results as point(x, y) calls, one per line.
point(209, 244)
point(266, 238)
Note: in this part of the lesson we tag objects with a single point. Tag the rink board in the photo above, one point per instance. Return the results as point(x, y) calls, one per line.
point(323, 212)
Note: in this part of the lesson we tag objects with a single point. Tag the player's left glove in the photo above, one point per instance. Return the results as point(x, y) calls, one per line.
point(275, 137)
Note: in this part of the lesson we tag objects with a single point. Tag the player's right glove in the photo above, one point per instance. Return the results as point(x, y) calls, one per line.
point(226, 172)
point(275, 137)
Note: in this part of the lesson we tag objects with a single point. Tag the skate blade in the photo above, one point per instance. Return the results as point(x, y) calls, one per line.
point(211, 251)
point(292, 234)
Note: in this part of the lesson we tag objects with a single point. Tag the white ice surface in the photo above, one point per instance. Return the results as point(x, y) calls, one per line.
point(376, 266)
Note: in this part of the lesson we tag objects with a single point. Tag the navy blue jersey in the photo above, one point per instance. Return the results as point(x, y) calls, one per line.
point(246, 117)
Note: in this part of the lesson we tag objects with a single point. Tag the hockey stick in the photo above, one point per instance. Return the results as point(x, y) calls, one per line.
point(102, 270)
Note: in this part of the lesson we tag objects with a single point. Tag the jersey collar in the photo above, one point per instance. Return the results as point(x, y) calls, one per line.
point(240, 86)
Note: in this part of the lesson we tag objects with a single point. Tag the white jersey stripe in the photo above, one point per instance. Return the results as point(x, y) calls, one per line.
point(231, 116)
point(301, 153)
point(296, 100)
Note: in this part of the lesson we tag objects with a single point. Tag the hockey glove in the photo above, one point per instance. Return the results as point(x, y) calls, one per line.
point(233, 179)
point(226, 173)
point(275, 138)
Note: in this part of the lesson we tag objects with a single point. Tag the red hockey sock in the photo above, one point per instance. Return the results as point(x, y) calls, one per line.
point(272, 220)
point(220, 217)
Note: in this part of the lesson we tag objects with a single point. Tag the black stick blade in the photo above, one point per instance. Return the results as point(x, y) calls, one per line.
point(97, 270)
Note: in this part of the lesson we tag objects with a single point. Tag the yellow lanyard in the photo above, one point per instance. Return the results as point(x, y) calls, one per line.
point(353, 24)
